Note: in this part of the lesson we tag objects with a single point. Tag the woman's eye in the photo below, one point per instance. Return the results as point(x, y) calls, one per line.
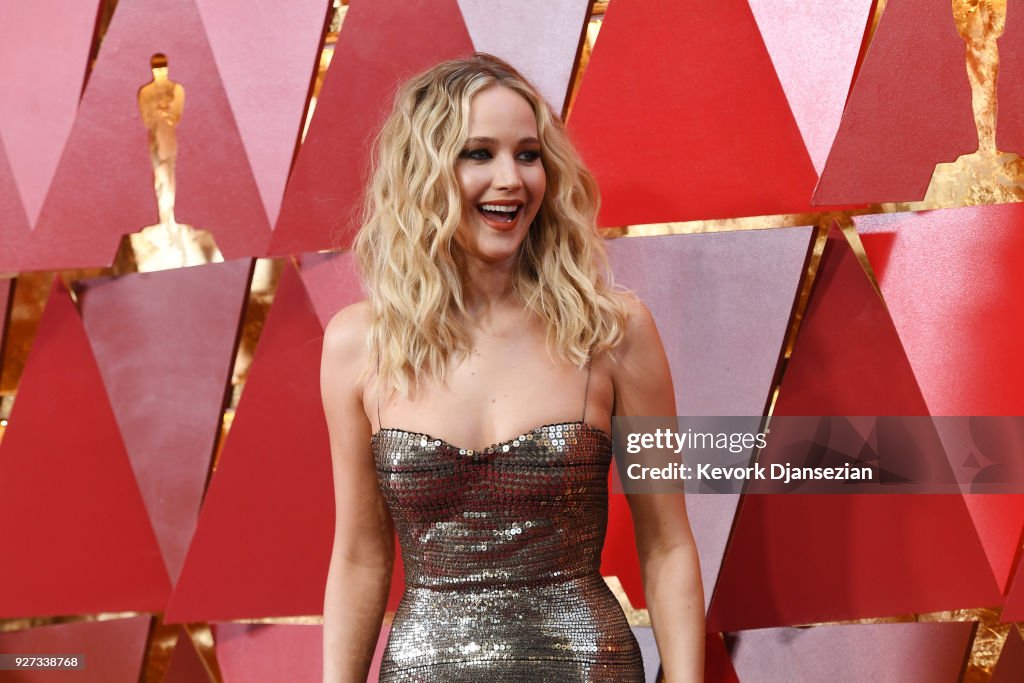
point(479, 154)
point(530, 155)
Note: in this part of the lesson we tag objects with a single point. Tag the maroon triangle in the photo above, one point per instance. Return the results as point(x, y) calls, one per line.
point(381, 43)
point(68, 498)
point(797, 559)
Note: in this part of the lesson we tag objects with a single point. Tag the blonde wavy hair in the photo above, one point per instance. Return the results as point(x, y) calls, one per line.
point(406, 250)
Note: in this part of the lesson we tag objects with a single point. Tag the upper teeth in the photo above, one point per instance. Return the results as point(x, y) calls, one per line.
point(499, 207)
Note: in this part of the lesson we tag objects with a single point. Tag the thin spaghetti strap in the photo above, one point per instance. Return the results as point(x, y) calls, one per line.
point(586, 389)
point(380, 425)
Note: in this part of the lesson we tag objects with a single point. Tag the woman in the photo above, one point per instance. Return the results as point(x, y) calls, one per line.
point(489, 313)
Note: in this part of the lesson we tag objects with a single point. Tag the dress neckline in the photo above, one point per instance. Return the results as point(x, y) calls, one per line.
point(499, 444)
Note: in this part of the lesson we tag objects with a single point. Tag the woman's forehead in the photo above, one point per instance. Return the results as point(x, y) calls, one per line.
point(498, 112)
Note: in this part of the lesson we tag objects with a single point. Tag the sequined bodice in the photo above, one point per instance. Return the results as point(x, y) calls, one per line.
point(501, 549)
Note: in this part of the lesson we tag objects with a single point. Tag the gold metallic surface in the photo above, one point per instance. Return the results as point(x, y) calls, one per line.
point(163, 638)
point(202, 639)
point(29, 300)
point(986, 176)
point(11, 625)
point(265, 277)
point(593, 27)
point(168, 244)
point(326, 55)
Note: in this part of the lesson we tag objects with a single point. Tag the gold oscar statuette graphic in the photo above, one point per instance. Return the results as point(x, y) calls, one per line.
point(986, 176)
point(168, 244)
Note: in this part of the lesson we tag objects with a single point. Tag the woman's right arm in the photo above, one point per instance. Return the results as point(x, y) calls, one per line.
point(363, 553)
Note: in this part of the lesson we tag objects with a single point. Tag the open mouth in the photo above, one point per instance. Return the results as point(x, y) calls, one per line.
point(500, 213)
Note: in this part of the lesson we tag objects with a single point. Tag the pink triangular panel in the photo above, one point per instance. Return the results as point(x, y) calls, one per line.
point(797, 559)
point(42, 66)
point(1010, 667)
point(857, 653)
point(685, 129)
point(381, 44)
point(814, 51)
point(267, 80)
point(165, 345)
point(103, 187)
point(1013, 607)
point(538, 37)
point(13, 222)
point(910, 109)
point(186, 666)
point(263, 542)
point(332, 282)
point(266, 653)
point(62, 458)
point(956, 304)
point(717, 366)
point(113, 649)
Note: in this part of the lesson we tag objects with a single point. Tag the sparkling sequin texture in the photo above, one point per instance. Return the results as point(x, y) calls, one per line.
point(501, 549)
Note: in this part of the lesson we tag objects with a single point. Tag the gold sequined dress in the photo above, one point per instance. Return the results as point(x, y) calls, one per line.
point(501, 549)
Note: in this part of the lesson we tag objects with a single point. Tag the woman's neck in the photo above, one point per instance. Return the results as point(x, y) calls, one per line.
point(488, 287)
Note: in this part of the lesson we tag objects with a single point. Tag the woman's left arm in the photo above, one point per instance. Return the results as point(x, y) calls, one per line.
point(668, 554)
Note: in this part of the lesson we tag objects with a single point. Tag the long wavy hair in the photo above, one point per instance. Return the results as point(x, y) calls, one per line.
point(406, 250)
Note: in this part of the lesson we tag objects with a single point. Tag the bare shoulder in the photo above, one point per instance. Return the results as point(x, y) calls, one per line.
point(345, 334)
point(641, 336)
point(640, 374)
point(345, 353)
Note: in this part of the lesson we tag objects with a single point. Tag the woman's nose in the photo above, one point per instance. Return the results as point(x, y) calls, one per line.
point(506, 175)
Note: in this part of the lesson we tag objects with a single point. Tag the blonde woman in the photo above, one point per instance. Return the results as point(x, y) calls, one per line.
point(469, 403)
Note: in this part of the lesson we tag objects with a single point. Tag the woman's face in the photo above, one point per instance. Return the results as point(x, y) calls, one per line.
point(501, 177)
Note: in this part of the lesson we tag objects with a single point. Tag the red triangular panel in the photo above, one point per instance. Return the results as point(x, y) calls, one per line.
point(1013, 607)
point(62, 461)
point(263, 542)
point(165, 345)
point(814, 52)
point(186, 666)
point(113, 649)
point(797, 559)
point(1010, 667)
point(854, 653)
point(42, 66)
point(381, 44)
point(13, 222)
point(717, 663)
point(956, 303)
point(103, 187)
point(681, 117)
point(909, 110)
point(267, 80)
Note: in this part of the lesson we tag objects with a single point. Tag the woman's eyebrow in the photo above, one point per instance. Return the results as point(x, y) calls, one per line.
point(493, 141)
